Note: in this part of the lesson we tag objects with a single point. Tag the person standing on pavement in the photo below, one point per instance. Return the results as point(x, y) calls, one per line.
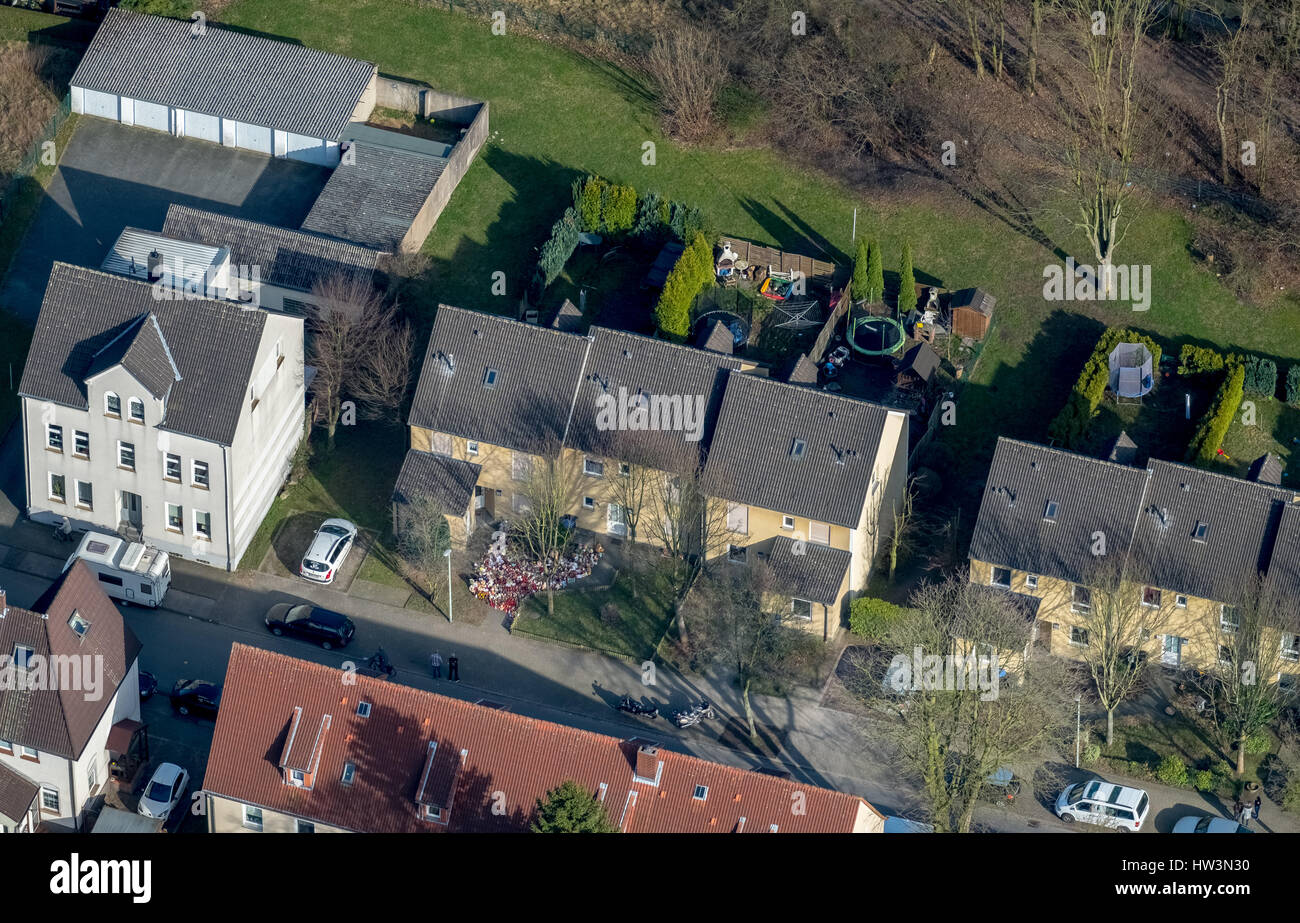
point(435, 662)
point(1244, 817)
point(453, 669)
point(1258, 803)
point(1236, 808)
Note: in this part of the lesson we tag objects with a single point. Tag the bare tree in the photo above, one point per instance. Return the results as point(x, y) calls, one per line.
point(541, 532)
point(384, 373)
point(1035, 33)
point(423, 536)
point(688, 65)
point(1230, 44)
point(900, 539)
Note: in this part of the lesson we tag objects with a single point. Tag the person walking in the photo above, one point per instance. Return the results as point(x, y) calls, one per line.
point(1236, 808)
point(1244, 817)
point(1258, 803)
point(435, 662)
point(453, 669)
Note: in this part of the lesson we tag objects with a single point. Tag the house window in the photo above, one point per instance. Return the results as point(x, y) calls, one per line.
point(175, 517)
point(801, 609)
point(7, 747)
point(1229, 618)
point(199, 474)
point(736, 554)
point(1049, 512)
point(136, 407)
point(172, 467)
point(1180, 601)
point(78, 624)
point(588, 503)
point(1078, 636)
point(349, 773)
point(701, 792)
point(85, 495)
point(58, 488)
point(593, 468)
point(112, 404)
point(738, 518)
point(203, 524)
point(305, 826)
point(297, 777)
point(1001, 576)
point(1201, 530)
point(49, 799)
point(1082, 599)
point(624, 469)
point(1031, 581)
point(363, 709)
point(490, 378)
point(126, 455)
point(819, 532)
point(54, 437)
point(252, 817)
point(797, 448)
point(81, 444)
point(1151, 597)
point(521, 466)
point(432, 812)
point(471, 447)
point(787, 522)
point(1290, 647)
point(30, 752)
point(616, 520)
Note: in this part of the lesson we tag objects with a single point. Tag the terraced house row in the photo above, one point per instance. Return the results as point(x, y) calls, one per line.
point(800, 479)
point(1189, 543)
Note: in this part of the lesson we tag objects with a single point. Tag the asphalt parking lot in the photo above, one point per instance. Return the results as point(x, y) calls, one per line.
point(113, 176)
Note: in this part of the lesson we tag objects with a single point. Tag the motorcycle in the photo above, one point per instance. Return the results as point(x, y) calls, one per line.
point(633, 707)
point(689, 717)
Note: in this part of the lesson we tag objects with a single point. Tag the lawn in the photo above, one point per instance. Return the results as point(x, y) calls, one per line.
point(642, 617)
point(1276, 426)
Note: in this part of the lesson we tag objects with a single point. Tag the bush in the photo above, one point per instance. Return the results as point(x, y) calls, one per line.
point(610, 615)
point(591, 203)
point(620, 209)
point(1204, 447)
point(872, 618)
point(1070, 425)
point(906, 282)
point(685, 222)
point(693, 271)
point(1172, 771)
point(1291, 795)
point(1261, 376)
point(1198, 360)
point(1258, 743)
point(859, 287)
point(557, 250)
point(875, 273)
point(1091, 754)
point(1293, 385)
point(1205, 781)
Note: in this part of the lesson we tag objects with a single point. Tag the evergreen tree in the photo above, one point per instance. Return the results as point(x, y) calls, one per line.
point(859, 287)
point(906, 282)
point(570, 808)
point(875, 273)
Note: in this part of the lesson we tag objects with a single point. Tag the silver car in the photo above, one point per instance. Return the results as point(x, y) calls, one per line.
point(329, 547)
point(164, 791)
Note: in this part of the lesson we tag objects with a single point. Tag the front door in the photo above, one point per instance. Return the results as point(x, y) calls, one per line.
point(132, 509)
point(616, 520)
point(1172, 654)
point(479, 499)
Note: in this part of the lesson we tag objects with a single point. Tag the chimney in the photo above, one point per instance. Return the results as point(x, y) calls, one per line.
point(647, 762)
point(155, 265)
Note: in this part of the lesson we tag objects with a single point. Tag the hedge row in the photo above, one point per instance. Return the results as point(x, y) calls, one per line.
point(1076, 416)
point(604, 206)
point(872, 618)
point(1293, 385)
point(1198, 360)
point(692, 273)
point(1210, 433)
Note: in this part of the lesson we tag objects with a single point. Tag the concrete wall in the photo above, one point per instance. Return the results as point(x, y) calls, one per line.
point(369, 98)
point(462, 155)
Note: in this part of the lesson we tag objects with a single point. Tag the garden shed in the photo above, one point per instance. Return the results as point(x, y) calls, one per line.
point(971, 311)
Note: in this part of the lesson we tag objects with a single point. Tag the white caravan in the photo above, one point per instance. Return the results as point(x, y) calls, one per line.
point(130, 571)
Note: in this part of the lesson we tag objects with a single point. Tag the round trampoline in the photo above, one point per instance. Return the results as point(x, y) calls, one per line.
point(1130, 370)
point(877, 336)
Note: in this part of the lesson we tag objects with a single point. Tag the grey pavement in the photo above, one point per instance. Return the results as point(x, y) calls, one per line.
point(113, 175)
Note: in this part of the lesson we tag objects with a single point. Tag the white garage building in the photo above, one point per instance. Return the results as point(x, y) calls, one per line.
point(226, 87)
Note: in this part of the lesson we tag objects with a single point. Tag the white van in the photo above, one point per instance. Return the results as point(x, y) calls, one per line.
point(129, 571)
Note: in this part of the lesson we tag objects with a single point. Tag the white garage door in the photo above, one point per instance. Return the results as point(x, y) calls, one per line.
point(151, 115)
point(312, 150)
point(204, 127)
point(103, 105)
point(253, 138)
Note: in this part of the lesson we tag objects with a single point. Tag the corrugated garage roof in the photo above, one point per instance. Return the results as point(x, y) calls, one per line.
point(249, 78)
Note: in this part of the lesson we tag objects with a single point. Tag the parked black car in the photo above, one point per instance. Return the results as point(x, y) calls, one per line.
point(148, 685)
point(196, 697)
point(326, 628)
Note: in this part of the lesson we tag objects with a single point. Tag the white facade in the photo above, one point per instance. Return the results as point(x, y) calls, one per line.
point(73, 782)
point(190, 497)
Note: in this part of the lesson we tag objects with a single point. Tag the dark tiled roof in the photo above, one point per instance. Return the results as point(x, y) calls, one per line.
point(1267, 469)
point(1091, 496)
point(142, 351)
point(235, 75)
point(528, 406)
point(17, 792)
point(568, 318)
point(815, 575)
point(1241, 520)
point(804, 372)
point(61, 721)
point(449, 481)
point(974, 298)
point(1284, 566)
point(751, 457)
point(212, 343)
point(374, 200)
point(491, 751)
point(716, 336)
point(285, 258)
point(920, 361)
point(1123, 451)
point(655, 368)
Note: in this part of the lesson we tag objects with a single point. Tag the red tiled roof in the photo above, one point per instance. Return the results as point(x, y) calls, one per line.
point(491, 765)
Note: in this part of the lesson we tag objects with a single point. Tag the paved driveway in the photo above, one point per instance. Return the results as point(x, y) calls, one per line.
point(112, 176)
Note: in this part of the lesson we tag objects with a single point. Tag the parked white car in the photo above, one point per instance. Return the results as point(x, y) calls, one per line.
point(1204, 823)
point(328, 549)
point(164, 791)
point(1105, 804)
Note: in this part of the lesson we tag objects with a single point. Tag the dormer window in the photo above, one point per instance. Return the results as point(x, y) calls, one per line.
point(701, 792)
point(297, 777)
point(363, 709)
point(1049, 512)
point(78, 624)
point(136, 408)
point(1199, 533)
point(432, 812)
point(112, 404)
point(490, 378)
point(797, 448)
